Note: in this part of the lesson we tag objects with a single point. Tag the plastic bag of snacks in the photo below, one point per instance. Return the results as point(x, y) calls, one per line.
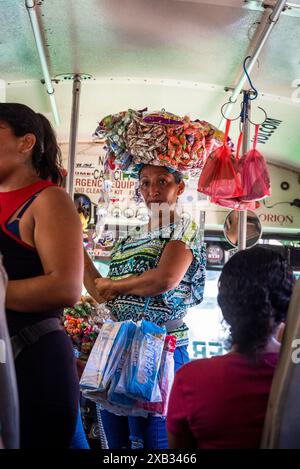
point(220, 177)
point(139, 375)
point(116, 353)
point(94, 372)
point(165, 379)
point(114, 397)
point(104, 395)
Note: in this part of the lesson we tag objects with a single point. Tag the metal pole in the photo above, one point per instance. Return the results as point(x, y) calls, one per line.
point(242, 225)
point(30, 5)
point(273, 18)
point(242, 233)
point(73, 134)
point(293, 5)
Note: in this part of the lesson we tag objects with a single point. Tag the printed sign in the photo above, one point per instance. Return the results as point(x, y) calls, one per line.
point(215, 254)
point(89, 176)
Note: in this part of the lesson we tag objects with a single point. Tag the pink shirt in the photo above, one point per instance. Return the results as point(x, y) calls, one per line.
point(222, 400)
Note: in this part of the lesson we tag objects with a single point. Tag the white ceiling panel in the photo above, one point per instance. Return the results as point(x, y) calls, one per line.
point(176, 54)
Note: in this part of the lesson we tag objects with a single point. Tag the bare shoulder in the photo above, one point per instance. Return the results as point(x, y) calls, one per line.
point(55, 202)
point(176, 246)
point(54, 195)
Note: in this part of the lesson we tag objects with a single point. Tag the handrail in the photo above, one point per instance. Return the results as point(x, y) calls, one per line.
point(30, 5)
point(73, 133)
point(273, 18)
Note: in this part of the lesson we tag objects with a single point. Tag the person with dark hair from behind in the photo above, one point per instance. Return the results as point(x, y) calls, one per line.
point(41, 243)
point(220, 402)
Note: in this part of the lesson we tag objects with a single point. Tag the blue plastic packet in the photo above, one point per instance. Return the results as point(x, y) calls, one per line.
point(113, 396)
point(145, 358)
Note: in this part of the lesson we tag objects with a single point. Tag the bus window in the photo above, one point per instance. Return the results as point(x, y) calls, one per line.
point(207, 332)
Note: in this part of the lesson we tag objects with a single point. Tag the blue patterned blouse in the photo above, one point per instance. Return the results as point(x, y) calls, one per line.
point(141, 251)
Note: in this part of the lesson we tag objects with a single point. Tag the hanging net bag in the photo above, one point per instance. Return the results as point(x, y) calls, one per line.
point(236, 203)
point(220, 177)
point(255, 174)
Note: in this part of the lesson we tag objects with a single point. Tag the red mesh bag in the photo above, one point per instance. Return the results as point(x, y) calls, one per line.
point(236, 203)
point(255, 174)
point(220, 177)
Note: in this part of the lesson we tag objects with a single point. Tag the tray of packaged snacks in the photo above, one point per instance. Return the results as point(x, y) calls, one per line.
point(82, 323)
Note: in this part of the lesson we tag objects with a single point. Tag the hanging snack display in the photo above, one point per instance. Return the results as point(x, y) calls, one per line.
point(220, 177)
point(255, 174)
point(159, 138)
point(234, 182)
point(135, 138)
point(229, 180)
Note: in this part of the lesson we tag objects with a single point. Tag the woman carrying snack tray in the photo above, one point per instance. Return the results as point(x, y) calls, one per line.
point(161, 264)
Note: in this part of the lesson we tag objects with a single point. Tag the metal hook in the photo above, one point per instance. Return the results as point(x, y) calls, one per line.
point(239, 116)
point(260, 123)
point(226, 118)
point(252, 89)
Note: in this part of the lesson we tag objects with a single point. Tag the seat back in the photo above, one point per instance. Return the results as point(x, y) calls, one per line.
point(9, 404)
point(282, 422)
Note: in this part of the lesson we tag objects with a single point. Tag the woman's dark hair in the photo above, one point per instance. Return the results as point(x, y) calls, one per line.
point(46, 155)
point(177, 176)
point(255, 287)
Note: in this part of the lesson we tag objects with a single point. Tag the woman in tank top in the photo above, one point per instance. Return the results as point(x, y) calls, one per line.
point(41, 244)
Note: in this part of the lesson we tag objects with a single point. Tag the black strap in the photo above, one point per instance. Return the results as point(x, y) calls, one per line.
point(25, 207)
point(31, 334)
point(13, 226)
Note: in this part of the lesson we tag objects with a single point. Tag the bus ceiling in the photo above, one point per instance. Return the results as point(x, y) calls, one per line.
point(184, 56)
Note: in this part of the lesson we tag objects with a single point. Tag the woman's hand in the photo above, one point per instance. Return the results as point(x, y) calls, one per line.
point(80, 365)
point(106, 288)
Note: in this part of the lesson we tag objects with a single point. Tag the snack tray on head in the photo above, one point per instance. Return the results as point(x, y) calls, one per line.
point(137, 138)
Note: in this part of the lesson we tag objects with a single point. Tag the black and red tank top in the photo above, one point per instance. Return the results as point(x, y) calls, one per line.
point(20, 260)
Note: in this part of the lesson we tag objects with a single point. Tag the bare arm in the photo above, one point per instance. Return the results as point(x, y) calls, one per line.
point(90, 275)
point(174, 263)
point(57, 237)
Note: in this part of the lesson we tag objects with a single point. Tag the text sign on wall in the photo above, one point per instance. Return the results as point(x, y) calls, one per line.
point(89, 176)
